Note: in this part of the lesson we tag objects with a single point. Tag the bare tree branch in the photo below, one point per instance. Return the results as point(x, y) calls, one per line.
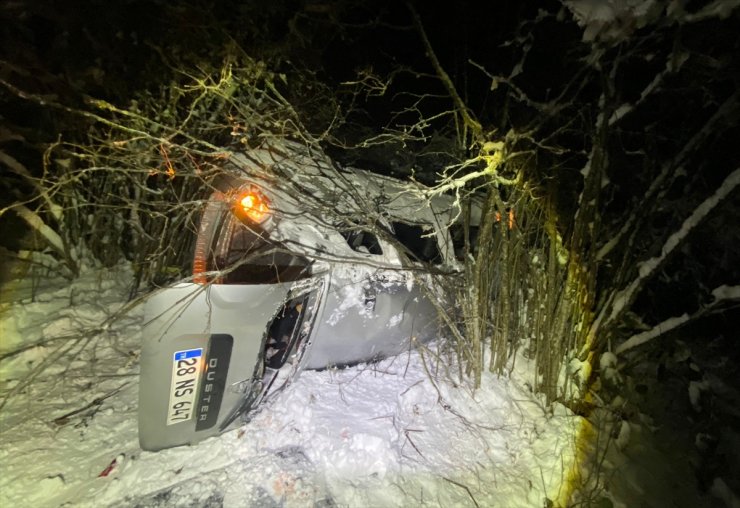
point(624, 298)
point(721, 294)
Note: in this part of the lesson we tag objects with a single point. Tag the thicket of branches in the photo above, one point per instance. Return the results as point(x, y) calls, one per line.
point(125, 178)
point(605, 178)
point(590, 180)
point(655, 173)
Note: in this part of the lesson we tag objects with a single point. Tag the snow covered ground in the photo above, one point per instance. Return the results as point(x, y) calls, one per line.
point(380, 435)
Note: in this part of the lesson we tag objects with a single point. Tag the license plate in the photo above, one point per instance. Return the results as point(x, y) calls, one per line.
point(187, 367)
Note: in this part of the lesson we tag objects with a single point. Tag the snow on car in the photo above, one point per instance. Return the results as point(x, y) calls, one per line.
point(297, 265)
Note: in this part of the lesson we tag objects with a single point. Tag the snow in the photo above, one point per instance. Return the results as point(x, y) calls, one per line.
point(721, 9)
point(623, 436)
point(619, 113)
point(732, 181)
point(721, 491)
point(384, 434)
point(726, 293)
point(695, 390)
point(648, 335)
point(580, 370)
point(394, 320)
point(612, 20)
point(674, 62)
point(608, 367)
point(352, 295)
point(608, 360)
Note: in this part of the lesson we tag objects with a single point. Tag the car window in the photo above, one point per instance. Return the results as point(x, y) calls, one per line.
point(245, 255)
point(457, 232)
point(362, 241)
point(421, 245)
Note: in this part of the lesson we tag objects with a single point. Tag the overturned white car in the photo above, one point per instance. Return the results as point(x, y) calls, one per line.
point(297, 265)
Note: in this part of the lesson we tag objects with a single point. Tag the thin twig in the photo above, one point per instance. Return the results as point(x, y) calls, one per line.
point(463, 487)
point(61, 420)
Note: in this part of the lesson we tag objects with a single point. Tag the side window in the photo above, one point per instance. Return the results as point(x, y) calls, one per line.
point(422, 245)
point(457, 232)
point(362, 241)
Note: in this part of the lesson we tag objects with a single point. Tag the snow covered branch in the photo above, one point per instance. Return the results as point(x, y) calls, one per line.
point(659, 186)
point(492, 158)
point(674, 61)
point(721, 294)
point(718, 9)
point(647, 268)
point(37, 224)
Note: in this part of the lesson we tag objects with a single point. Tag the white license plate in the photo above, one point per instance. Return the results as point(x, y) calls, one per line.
point(186, 370)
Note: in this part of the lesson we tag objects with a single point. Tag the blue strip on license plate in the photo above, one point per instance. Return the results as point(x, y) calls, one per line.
point(190, 353)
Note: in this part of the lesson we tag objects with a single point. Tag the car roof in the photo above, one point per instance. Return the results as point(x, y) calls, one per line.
point(292, 170)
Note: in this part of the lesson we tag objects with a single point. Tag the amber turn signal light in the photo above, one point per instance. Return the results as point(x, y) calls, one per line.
point(251, 204)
